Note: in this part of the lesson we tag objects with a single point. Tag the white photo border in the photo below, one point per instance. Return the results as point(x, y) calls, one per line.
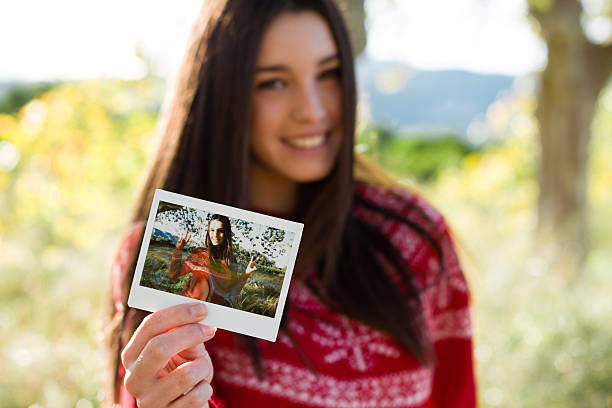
point(252, 324)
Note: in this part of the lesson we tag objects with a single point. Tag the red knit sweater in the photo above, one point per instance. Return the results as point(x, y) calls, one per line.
point(356, 365)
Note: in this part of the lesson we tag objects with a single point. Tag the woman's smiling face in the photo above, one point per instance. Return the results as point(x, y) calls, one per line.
point(215, 232)
point(296, 130)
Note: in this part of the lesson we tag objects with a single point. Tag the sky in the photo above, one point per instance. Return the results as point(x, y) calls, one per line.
point(486, 36)
point(75, 39)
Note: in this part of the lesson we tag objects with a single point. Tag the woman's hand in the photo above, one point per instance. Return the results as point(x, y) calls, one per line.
point(251, 266)
point(166, 362)
point(183, 241)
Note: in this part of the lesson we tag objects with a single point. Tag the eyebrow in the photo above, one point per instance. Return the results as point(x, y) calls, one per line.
point(280, 67)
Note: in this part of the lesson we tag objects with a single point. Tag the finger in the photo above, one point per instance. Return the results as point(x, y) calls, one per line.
point(188, 375)
point(180, 381)
point(160, 322)
point(189, 354)
point(186, 232)
point(161, 348)
point(197, 397)
point(193, 353)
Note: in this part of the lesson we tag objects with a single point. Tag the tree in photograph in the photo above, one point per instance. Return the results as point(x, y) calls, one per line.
point(245, 227)
point(271, 242)
point(178, 219)
point(570, 85)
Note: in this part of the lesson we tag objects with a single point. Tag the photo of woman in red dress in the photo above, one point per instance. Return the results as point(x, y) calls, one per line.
point(212, 277)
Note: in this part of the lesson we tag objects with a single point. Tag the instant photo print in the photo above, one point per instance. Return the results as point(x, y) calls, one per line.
point(239, 263)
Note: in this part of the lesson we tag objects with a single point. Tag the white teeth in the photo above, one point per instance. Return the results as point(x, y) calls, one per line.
point(307, 142)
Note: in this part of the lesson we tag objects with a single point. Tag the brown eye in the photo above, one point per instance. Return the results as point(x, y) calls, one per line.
point(333, 73)
point(271, 84)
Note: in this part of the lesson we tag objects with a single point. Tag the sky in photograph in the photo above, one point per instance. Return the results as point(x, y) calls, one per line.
point(72, 39)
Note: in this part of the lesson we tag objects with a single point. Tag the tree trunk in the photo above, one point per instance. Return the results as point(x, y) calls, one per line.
point(354, 16)
point(570, 85)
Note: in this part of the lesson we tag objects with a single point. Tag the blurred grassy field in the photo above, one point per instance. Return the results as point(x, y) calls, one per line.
point(70, 161)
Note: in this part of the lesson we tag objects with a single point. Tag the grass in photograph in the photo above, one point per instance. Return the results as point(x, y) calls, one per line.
point(259, 295)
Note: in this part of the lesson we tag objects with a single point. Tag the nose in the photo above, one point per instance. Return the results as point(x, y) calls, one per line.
point(309, 106)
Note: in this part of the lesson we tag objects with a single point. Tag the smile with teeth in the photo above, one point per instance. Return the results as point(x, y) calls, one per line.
point(309, 142)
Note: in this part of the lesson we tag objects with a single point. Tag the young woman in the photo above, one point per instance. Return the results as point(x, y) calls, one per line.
point(263, 117)
point(212, 278)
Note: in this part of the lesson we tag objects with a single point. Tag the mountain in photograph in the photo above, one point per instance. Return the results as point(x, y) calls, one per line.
point(162, 236)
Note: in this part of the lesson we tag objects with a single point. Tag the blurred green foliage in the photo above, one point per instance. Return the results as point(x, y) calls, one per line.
point(70, 162)
point(20, 94)
point(421, 156)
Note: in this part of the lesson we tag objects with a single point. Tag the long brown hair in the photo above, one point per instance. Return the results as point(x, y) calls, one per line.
point(205, 124)
point(224, 251)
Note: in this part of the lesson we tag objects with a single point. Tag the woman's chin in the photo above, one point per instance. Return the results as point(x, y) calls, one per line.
point(308, 172)
point(305, 176)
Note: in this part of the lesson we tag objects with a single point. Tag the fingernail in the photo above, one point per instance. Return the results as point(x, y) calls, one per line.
point(197, 310)
point(208, 331)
